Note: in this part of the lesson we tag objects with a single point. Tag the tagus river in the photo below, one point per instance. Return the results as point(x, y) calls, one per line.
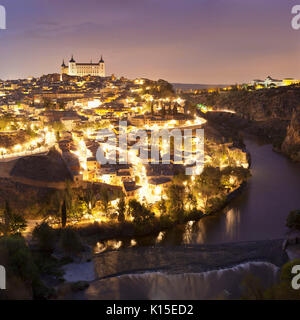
point(260, 212)
point(185, 261)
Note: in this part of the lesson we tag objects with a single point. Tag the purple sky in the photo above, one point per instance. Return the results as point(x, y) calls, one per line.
point(191, 41)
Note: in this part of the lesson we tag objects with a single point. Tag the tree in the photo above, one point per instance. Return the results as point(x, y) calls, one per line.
point(7, 217)
point(22, 272)
point(64, 214)
point(70, 241)
point(165, 89)
point(78, 209)
point(105, 197)
point(280, 291)
point(67, 203)
point(191, 199)
point(121, 209)
point(141, 214)
point(176, 196)
point(293, 220)
point(90, 199)
point(17, 224)
point(181, 177)
point(208, 185)
point(14, 223)
point(162, 207)
point(45, 237)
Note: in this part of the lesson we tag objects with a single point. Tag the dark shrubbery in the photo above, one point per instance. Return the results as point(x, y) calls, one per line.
point(23, 279)
point(70, 242)
point(293, 220)
point(254, 290)
point(45, 236)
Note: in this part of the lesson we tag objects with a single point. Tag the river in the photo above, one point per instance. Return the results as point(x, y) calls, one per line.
point(258, 213)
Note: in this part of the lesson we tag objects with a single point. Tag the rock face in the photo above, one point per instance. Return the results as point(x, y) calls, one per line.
point(50, 168)
point(269, 113)
point(259, 105)
point(291, 144)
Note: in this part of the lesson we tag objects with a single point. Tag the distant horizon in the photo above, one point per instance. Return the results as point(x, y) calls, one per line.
point(172, 82)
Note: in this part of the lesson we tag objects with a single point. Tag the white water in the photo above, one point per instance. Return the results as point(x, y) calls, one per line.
point(217, 284)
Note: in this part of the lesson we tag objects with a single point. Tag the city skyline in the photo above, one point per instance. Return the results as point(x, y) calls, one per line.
point(224, 42)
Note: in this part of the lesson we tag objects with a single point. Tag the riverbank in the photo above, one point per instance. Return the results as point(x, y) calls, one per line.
point(99, 232)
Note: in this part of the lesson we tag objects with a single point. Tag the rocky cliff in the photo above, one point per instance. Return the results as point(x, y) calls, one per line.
point(270, 113)
point(291, 144)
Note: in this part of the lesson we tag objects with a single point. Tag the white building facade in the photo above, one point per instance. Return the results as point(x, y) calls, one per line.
point(84, 69)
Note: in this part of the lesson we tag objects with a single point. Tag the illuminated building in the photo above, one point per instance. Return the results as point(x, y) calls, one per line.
point(270, 82)
point(84, 69)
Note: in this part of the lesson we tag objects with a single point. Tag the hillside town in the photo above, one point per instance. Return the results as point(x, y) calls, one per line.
point(50, 134)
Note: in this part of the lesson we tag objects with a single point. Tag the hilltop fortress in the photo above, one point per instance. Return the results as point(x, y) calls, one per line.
point(84, 69)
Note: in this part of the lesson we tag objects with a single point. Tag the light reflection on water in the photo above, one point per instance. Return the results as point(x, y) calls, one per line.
point(259, 213)
point(232, 223)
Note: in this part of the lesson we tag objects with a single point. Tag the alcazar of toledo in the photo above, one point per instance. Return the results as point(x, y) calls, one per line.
point(84, 69)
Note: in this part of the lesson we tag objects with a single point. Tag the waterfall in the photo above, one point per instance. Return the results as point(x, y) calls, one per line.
point(216, 284)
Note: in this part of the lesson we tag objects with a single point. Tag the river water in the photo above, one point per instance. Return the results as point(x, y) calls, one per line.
point(258, 213)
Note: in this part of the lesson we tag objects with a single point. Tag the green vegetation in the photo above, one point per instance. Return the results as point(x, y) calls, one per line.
point(23, 275)
point(281, 291)
point(293, 220)
point(93, 125)
point(160, 89)
point(175, 204)
point(45, 237)
point(49, 240)
point(142, 216)
point(70, 242)
point(121, 210)
point(13, 223)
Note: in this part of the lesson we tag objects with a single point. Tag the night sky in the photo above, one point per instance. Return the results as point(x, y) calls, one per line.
point(188, 41)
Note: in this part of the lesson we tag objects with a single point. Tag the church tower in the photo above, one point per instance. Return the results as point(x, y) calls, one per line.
point(102, 67)
point(64, 68)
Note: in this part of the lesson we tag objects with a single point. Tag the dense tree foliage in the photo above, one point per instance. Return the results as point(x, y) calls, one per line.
point(45, 237)
point(293, 220)
point(13, 223)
